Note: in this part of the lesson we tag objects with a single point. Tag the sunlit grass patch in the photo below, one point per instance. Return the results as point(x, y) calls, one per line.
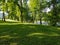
point(36, 34)
point(13, 43)
point(58, 28)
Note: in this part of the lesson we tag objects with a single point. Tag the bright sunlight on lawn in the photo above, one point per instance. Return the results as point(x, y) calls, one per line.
point(14, 33)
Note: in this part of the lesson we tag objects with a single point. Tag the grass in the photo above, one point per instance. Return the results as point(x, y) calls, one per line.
point(13, 33)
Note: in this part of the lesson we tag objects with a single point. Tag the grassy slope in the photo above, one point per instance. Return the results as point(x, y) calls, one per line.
point(28, 34)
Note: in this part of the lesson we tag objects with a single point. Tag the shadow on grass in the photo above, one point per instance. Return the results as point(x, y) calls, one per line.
point(23, 34)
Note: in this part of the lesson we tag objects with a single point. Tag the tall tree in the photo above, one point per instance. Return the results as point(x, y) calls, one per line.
point(20, 6)
point(37, 6)
point(3, 9)
point(33, 5)
point(54, 12)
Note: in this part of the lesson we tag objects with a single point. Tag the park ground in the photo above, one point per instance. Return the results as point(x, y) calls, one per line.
point(15, 33)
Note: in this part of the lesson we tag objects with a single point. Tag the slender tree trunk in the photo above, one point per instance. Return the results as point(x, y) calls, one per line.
point(40, 18)
point(3, 17)
point(40, 13)
point(21, 11)
point(21, 17)
point(33, 17)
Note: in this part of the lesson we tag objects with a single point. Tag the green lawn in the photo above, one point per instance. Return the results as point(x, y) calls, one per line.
point(28, 34)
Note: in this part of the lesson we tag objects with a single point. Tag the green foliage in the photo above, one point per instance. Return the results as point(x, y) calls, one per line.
point(23, 11)
point(33, 4)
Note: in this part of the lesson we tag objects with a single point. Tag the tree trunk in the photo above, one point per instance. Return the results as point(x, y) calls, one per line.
point(41, 19)
point(21, 11)
point(21, 17)
point(3, 18)
point(40, 13)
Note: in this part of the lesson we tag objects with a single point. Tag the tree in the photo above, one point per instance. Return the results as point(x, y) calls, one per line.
point(37, 6)
point(33, 6)
point(20, 6)
point(3, 9)
point(54, 12)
